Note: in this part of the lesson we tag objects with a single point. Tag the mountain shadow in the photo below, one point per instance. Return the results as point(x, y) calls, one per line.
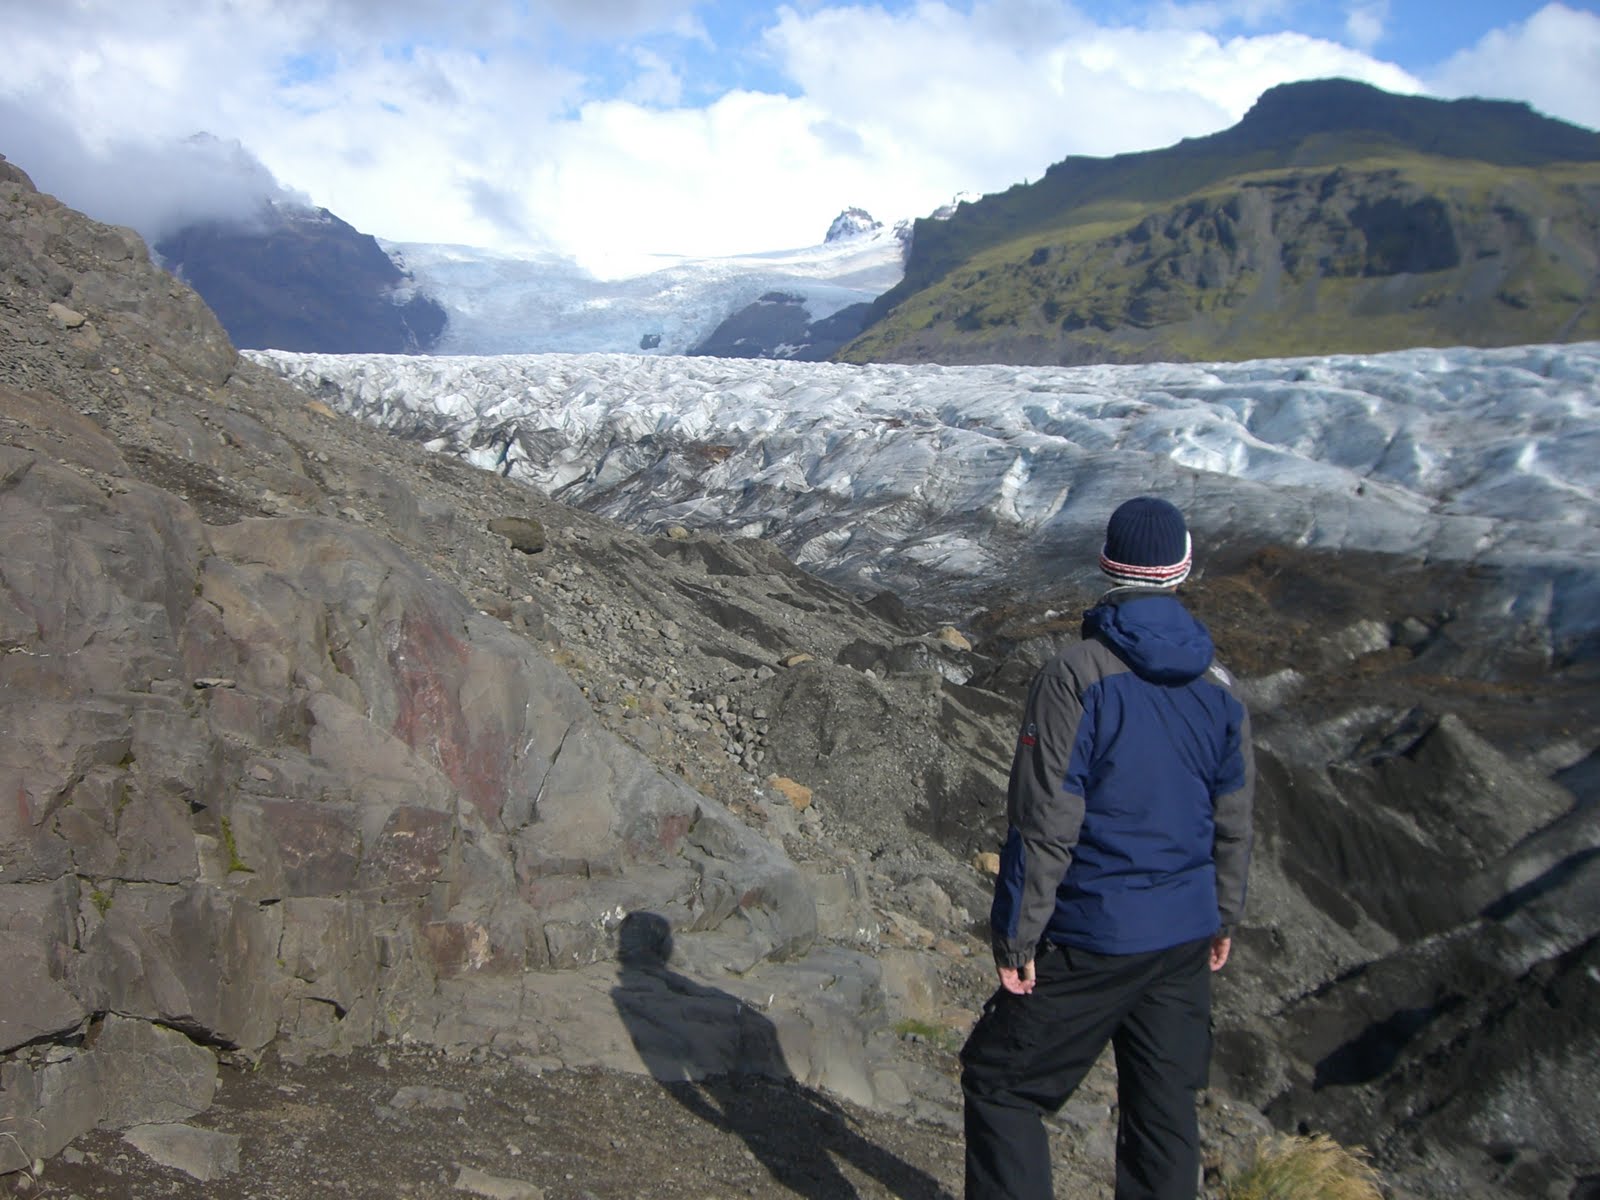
point(721, 1060)
point(302, 279)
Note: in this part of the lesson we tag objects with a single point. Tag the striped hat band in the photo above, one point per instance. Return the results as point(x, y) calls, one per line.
point(1135, 574)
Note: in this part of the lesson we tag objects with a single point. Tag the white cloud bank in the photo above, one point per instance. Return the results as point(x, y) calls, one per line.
point(420, 120)
point(1551, 60)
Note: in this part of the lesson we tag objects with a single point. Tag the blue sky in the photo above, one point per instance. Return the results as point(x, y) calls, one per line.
point(612, 129)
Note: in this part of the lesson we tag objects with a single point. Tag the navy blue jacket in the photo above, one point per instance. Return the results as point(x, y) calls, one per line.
point(1130, 795)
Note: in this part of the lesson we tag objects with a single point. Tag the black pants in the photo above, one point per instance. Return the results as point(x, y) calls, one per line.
point(1028, 1054)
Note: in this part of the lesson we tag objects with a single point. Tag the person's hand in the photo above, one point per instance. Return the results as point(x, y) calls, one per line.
point(1017, 981)
point(1219, 951)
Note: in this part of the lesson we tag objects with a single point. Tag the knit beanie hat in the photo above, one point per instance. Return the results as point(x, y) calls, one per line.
point(1147, 545)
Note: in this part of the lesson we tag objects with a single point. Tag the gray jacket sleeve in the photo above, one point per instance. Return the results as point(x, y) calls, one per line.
point(1044, 813)
point(1234, 824)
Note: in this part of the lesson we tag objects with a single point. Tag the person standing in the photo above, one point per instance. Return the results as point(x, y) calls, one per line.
point(1121, 881)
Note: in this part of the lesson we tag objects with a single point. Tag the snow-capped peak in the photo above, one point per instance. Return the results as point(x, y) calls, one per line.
point(852, 222)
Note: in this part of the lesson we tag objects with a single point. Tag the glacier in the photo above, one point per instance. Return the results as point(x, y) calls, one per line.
point(531, 304)
point(944, 483)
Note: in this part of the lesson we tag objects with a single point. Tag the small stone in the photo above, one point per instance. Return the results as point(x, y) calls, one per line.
point(496, 1187)
point(424, 1096)
point(66, 317)
point(1410, 633)
point(203, 1154)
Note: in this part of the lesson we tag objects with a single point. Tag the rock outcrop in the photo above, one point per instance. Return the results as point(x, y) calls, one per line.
point(274, 780)
point(779, 325)
point(304, 279)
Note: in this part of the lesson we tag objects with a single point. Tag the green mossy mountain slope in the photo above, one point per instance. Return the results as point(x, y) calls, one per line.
point(1333, 218)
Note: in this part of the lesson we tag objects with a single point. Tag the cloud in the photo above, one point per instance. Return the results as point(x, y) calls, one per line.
point(501, 208)
point(620, 18)
point(1366, 24)
point(656, 82)
point(410, 147)
point(484, 141)
point(609, 128)
point(897, 112)
point(1551, 60)
point(1219, 15)
point(748, 172)
point(400, 141)
point(156, 188)
point(991, 107)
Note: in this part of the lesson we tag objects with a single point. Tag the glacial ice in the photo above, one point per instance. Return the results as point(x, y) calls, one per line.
point(943, 480)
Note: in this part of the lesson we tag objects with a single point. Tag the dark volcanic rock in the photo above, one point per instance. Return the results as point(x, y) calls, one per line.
point(779, 325)
point(303, 280)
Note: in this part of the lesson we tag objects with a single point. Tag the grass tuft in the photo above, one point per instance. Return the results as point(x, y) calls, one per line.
point(235, 863)
point(1305, 1168)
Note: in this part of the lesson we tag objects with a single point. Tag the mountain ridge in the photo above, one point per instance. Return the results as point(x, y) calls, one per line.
point(1313, 225)
point(1482, 161)
point(303, 279)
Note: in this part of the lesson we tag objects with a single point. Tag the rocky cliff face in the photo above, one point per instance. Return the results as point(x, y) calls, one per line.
point(779, 325)
point(313, 739)
point(275, 780)
point(303, 280)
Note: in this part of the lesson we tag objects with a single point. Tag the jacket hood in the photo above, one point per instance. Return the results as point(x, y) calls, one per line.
point(1154, 634)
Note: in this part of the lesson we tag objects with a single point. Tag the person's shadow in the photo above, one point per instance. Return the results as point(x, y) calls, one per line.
point(720, 1059)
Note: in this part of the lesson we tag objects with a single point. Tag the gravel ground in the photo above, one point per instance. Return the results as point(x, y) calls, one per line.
point(404, 1123)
